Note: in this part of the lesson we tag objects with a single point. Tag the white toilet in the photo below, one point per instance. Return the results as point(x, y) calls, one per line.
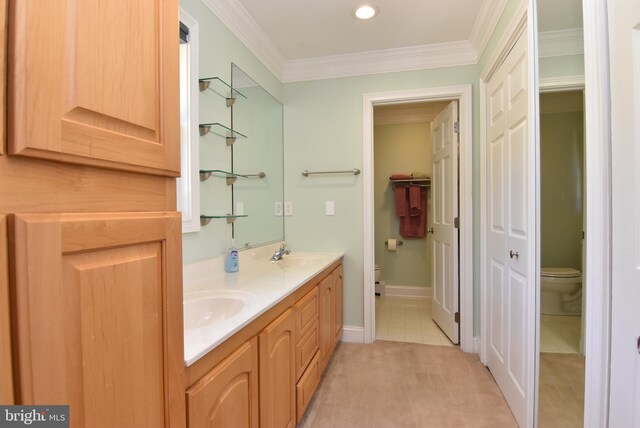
point(561, 291)
point(379, 284)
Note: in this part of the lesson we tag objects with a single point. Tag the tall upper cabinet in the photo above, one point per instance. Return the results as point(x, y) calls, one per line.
point(90, 239)
point(95, 83)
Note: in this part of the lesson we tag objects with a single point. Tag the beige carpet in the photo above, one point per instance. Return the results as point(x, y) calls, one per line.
point(561, 396)
point(393, 384)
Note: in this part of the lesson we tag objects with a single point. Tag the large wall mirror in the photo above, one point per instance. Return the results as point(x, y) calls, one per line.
point(258, 192)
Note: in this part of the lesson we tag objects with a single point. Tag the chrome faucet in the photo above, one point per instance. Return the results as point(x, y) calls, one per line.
point(279, 253)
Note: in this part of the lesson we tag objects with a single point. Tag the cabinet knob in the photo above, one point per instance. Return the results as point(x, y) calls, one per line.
point(514, 254)
point(430, 230)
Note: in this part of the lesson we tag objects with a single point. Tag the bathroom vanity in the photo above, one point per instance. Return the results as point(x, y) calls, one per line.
point(260, 364)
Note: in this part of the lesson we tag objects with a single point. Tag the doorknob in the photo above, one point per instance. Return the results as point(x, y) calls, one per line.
point(430, 230)
point(638, 345)
point(514, 254)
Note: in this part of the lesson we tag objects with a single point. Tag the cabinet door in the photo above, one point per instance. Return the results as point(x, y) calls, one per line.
point(277, 373)
point(95, 83)
point(337, 289)
point(6, 376)
point(326, 320)
point(228, 395)
point(99, 316)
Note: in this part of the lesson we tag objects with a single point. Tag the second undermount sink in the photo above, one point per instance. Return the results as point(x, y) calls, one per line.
point(211, 307)
point(300, 259)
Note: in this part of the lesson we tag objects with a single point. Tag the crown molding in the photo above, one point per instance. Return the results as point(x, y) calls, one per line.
point(380, 61)
point(562, 83)
point(486, 21)
point(561, 43)
point(236, 18)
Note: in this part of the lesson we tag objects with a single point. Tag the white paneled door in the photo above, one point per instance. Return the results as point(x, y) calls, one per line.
point(444, 197)
point(624, 44)
point(510, 220)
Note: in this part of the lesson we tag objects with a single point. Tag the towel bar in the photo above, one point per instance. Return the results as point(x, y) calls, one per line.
point(354, 171)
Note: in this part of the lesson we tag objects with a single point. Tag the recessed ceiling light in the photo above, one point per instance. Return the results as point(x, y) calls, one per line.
point(365, 12)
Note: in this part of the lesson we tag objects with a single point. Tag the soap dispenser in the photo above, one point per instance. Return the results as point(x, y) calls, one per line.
point(231, 264)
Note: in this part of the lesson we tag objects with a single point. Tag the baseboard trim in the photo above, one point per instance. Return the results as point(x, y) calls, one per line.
point(408, 291)
point(476, 345)
point(352, 334)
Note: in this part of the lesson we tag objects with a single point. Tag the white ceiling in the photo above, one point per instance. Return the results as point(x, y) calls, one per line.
point(314, 28)
point(316, 39)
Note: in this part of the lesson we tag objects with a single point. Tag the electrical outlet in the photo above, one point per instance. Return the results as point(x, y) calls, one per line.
point(277, 209)
point(288, 208)
point(330, 208)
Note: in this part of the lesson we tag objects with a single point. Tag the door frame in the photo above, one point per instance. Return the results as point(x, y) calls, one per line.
point(598, 211)
point(463, 94)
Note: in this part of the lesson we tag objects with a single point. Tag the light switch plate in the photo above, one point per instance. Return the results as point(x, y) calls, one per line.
point(288, 208)
point(277, 209)
point(330, 208)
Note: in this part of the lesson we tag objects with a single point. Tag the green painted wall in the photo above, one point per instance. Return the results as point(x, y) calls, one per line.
point(559, 66)
point(561, 181)
point(400, 148)
point(323, 130)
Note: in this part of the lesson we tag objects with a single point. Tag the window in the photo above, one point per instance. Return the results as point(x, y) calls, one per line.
point(188, 183)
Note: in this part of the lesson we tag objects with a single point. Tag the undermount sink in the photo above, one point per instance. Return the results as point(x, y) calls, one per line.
point(299, 259)
point(211, 307)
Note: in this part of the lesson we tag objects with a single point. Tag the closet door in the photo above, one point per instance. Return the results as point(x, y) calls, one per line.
point(95, 83)
point(510, 246)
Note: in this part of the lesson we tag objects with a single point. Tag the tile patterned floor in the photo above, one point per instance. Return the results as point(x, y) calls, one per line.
point(560, 334)
point(561, 394)
point(405, 319)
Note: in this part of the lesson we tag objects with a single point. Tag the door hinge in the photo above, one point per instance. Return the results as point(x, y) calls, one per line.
point(456, 222)
point(456, 127)
point(456, 317)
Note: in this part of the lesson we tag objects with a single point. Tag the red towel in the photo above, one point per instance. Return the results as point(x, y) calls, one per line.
point(415, 201)
point(400, 193)
point(416, 226)
point(400, 177)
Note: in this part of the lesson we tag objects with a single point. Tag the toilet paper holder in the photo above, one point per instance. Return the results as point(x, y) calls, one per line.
point(399, 242)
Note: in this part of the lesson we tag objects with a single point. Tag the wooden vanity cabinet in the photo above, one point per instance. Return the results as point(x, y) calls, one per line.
point(228, 395)
point(307, 336)
point(337, 275)
point(277, 373)
point(290, 341)
point(327, 320)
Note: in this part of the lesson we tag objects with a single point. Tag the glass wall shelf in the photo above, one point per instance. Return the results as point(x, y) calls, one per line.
point(206, 219)
point(230, 176)
point(219, 129)
point(220, 87)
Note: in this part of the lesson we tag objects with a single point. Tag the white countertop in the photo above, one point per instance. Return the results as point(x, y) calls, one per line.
point(262, 284)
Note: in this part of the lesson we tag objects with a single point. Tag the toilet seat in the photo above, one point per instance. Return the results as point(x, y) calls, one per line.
point(560, 273)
